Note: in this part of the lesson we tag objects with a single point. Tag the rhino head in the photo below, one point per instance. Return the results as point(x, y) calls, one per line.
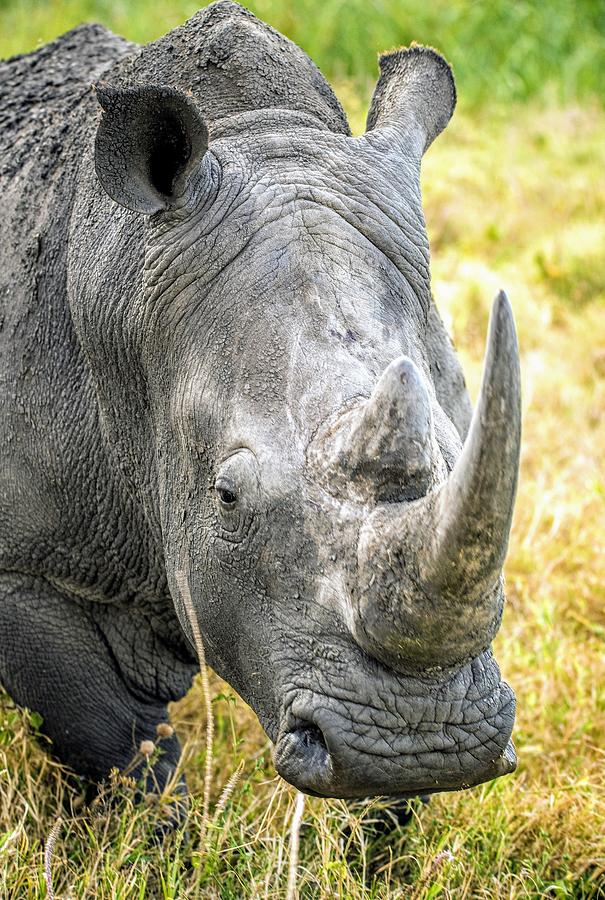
point(342, 539)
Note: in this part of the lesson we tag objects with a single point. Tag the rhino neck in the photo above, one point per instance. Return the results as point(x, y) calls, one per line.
point(231, 62)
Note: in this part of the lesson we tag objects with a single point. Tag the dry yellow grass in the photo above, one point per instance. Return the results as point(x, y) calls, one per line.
point(513, 199)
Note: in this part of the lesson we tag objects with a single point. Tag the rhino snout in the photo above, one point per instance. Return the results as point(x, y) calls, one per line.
point(437, 740)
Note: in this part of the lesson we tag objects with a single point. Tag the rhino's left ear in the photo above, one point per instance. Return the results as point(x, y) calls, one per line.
point(414, 98)
point(148, 141)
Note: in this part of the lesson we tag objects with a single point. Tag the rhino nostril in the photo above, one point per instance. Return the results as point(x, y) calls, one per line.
point(302, 758)
point(310, 736)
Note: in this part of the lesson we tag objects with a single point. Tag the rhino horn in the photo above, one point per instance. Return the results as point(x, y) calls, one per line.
point(391, 444)
point(428, 584)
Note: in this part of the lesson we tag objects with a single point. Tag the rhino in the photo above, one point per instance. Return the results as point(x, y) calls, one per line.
point(223, 377)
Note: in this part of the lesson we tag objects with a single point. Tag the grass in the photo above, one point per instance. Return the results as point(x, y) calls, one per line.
point(514, 197)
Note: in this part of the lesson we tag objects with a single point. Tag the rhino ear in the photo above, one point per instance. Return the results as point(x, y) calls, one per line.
point(148, 141)
point(415, 96)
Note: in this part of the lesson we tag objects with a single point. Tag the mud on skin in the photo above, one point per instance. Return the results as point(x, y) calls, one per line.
point(220, 359)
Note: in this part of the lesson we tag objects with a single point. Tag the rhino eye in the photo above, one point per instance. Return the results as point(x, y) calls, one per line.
point(226, 494)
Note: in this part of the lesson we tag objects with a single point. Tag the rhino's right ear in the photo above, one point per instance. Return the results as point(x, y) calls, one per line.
point(148, 141)
point(414, 98)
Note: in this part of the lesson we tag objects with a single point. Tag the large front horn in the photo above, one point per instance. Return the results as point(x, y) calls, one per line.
point(428, 589)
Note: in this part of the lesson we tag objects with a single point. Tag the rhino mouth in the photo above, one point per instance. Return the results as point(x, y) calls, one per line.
point(352, 747)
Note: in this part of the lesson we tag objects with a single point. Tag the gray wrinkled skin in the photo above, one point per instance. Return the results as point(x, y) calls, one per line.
point(184, 374)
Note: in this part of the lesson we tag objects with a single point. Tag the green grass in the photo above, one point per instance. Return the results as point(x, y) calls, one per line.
point(501, 50)
point(514, 197)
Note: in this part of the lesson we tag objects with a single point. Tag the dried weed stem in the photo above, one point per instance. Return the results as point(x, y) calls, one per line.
point(48, 858)
point(183, 585)
point(297, 815)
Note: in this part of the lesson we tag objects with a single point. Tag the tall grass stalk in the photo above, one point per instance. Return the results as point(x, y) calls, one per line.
point(48, 858)
point(299, 808)
point(182, 580)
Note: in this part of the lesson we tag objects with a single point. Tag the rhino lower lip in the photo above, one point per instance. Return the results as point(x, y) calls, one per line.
point(508, 761)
